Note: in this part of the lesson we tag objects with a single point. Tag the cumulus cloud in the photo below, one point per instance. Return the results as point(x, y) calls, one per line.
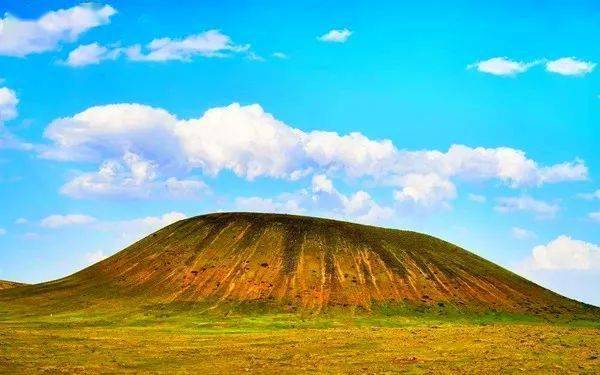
point(359, 206)
point(211, 43)
point(285, 203)
point(354, 154)
point(19, 37)
point(264, 146)
point(322, 199)
point(131, 177)
point(8, 111)
point(504, 163)
point(336, 36)
point(425, 189)
point(111, 130)
point(573, 171)
point(521, 233)
point(8, 104)
point(91, 54)
point(21, 221)
point(502, 66)
point(128, 177)
point(527, 204)
point(565, 252)
point(2, 231)
point(570, 66)
point(595, 216)
point(58, 221)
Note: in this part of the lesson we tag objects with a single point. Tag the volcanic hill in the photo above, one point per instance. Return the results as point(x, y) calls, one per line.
point(294, 262)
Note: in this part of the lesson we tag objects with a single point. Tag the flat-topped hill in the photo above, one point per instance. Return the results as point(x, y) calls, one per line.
point(294, 262)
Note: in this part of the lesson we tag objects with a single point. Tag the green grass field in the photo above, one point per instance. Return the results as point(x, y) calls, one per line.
point(168, 341)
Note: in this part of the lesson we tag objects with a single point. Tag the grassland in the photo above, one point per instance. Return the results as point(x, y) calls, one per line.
point(163, 341)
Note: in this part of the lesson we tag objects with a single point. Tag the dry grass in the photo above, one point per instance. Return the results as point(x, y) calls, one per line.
point(8, 284)
point(218, 348)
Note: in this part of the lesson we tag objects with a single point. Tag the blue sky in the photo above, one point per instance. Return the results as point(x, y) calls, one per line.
point(476, 122)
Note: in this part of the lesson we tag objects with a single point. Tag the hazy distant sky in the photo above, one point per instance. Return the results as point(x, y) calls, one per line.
point(478, 122)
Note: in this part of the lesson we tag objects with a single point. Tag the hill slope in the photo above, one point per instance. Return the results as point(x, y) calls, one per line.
point(298, 262)
point(8, 284)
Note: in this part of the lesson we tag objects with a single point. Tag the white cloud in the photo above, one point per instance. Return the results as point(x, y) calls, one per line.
point(58, 221)
point(2, 231)
point(128, 177)
point(21, 221)
point(590, 196)
point(253, 56)
point(595, 216)
point(361, 207)
point(280, 55)
point(267, 147)
point(323, 200)
point(8, 104)
point(354, 154)
point(112, 130)
point(521, 233)
point(31, 236)
point(262, 146)
point(425, 189)
point(282, 204)
point(8, 111)
point(502, 66)
point(23, 37)
point(336, 36)
point(525, 203)
point(477, 198)
point(321, 183)
point(131, 177)
point(565, 252)
point(211, 43)
point(91, 54)
point(506, 164)
point(570, 66)
point(567, 171)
